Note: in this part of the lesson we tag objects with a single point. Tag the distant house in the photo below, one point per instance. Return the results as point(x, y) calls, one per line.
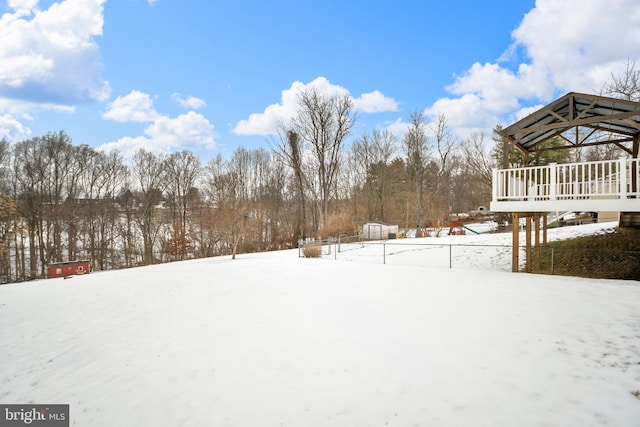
point(68, 268)
point(379, 231)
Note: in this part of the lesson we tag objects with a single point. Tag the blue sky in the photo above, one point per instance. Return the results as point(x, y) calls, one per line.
point(210, 76)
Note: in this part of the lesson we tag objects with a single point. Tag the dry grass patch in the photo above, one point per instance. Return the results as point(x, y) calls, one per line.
point(312, 250)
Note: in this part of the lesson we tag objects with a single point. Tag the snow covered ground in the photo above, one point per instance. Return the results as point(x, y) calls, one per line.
point(272, 339)
point(475, 251)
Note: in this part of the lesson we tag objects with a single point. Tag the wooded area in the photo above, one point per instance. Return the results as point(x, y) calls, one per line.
point(60, 201)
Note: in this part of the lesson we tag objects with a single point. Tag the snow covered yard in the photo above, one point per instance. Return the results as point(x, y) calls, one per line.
point(483, 251)
point(272, 339)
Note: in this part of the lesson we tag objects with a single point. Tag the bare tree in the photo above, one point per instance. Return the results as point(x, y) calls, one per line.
point(293, 154)
point(625, 85)
point(417, 152)
point(479, 159)
point(5, 157)
point(373, 154)
point(149, 176)
point(324, 121)
point(28, 170)
point(266, 188)
point(472, 173)
point(380, 146)
point(58, 159)
point(7, 213)
point(129, 234)
point(181, 171)
point(445, 144)
point(226, 192)
point(440, 170)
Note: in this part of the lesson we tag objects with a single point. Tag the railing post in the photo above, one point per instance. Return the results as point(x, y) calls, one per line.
point(494, 181)
point(553, 170)
point(635, 175)
point(622, 174)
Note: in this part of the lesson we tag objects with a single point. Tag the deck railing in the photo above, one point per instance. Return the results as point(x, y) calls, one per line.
point(606, 179)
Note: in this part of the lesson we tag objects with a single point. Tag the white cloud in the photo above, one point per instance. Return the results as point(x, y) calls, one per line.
point(569, 46)
point(186, 129)
point(374, 102)
point(22, 5)
point(465, 115)
point(499, 87)
point(50, 56)
point(24, 108)
point(398, 128)
point(12, 130)
point(164, 133)
point(128, 145)
point(189, 102)
point(573, 38)
point(134, 107)
point(266, 123)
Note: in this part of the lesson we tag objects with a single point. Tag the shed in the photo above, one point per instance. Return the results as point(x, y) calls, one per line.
point(379, 230)
point(68, 268)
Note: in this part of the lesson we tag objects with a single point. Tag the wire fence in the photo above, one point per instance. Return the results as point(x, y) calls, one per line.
point(586, 262)
point(568, 261)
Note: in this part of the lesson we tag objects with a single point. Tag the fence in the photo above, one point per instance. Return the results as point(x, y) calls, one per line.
point(573, 261)
point(587, 262)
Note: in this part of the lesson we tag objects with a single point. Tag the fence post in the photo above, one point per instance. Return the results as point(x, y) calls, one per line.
point(384, 253)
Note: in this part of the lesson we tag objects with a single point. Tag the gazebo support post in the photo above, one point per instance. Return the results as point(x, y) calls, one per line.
point(515, 245)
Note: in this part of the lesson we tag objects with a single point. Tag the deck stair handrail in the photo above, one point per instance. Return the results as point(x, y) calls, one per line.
point(605, 179)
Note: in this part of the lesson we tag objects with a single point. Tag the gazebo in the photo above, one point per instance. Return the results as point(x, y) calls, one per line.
point(578, 120)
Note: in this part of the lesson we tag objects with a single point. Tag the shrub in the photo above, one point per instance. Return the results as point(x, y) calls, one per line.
point(312, 250)
point(337, 224)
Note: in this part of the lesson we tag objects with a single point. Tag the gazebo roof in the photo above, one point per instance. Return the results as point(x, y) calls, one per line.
point(618, 118)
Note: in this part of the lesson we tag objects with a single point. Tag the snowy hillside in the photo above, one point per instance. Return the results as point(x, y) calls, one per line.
point(272, 339)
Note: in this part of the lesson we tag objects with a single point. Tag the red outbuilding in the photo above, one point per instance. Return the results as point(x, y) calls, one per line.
point(68, 268)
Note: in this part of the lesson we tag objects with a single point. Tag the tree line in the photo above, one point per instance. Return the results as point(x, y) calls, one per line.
point(60, 201)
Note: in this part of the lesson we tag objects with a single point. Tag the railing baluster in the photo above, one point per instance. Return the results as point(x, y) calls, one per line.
point(553, 168)
point(585, 180)
point(622, 167)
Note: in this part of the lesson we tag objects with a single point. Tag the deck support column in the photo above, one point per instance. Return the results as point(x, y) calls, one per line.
point(535, 237)
point(537, 230)
point(515, 244)
point(528, 248)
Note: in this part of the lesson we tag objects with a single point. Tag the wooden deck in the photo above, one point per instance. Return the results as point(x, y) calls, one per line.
point(610, 185)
